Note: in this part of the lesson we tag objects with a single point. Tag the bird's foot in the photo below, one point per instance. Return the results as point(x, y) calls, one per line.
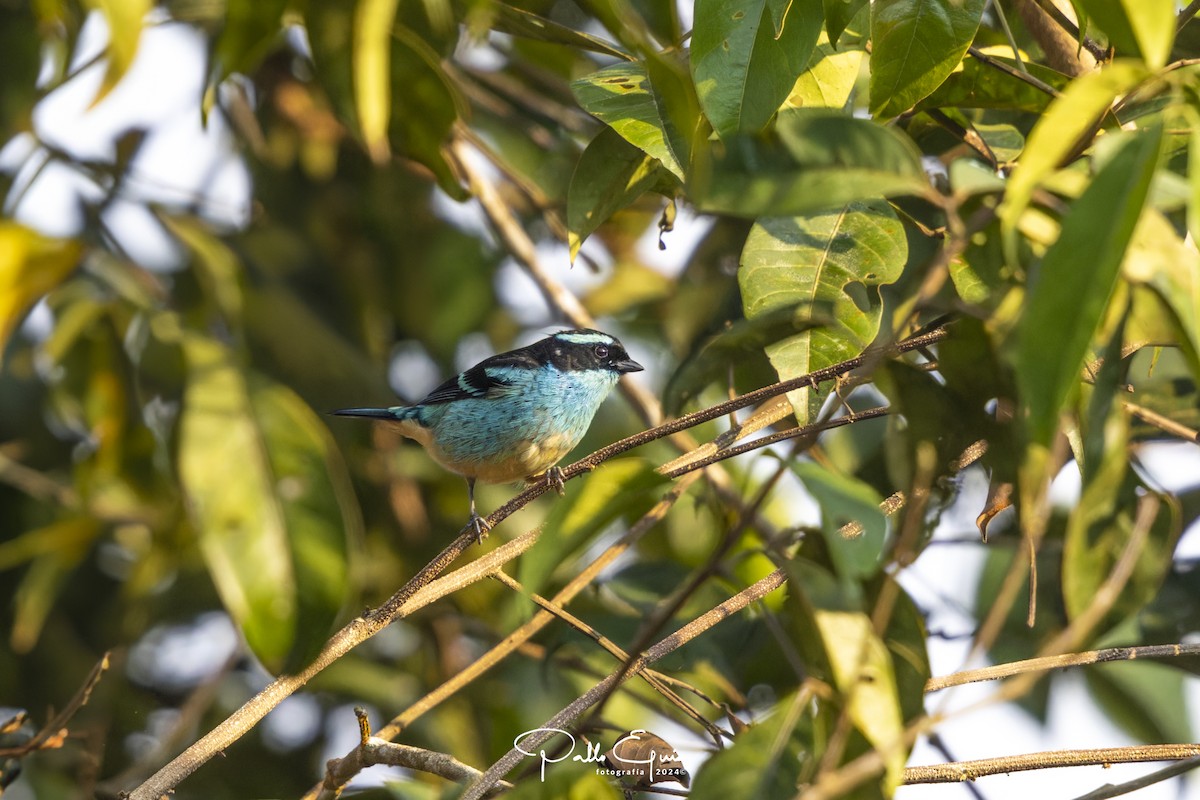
point(480, 526)
point(555, 480)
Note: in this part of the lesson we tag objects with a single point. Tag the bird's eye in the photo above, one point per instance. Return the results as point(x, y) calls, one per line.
point(601, 351)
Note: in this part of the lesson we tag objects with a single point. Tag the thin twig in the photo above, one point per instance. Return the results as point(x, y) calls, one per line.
point(1008, 34)
point(1033, 81)
point(52, 734)
point(960, 771)
point(1186, 15)
point(1158, 776)
point(1047, 663)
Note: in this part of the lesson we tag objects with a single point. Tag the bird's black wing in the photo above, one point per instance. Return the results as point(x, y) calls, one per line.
point(491, 378)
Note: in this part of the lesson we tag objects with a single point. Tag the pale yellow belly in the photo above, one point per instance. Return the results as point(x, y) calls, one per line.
point(525, 461)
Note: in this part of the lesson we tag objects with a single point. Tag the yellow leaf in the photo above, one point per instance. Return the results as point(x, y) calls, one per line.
point(30, 266)
point(373, 21)
point(862, 670)
point(124, 18)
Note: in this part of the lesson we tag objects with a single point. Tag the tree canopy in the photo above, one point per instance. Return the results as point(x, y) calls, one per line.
point(890, 265)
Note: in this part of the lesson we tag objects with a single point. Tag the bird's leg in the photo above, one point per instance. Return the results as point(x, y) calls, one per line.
point(477, 522)
point(554, 479)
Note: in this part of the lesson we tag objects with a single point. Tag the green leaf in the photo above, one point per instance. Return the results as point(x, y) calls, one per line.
point(611, 174)
point(1075, 279)
point(1147, 700)
point(821, 160)
point(1160, 259)
point(838, 14)
point(250, 30)
point(763, 763)
point(1101, 524)
point(1066, 120)
point(735, 346)
point(916, 44)
point(746, 56)
point(830, 77)
point(30, 266)
point(622, 97)
point(974, 84)
point(271, 502)
point(519, 22)
point(844, 499)
point(425, 110)
point(54, 551)
point(1143, 27)
point(827, 268)
point(863, 673)
point(373, 23)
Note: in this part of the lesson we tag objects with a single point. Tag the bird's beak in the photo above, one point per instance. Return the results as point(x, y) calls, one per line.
point(627, 365)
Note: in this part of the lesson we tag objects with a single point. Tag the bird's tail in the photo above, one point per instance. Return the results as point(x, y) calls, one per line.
point(395, 413)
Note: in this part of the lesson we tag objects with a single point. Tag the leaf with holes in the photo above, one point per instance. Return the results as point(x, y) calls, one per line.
point(827, 267)
point(746, 56)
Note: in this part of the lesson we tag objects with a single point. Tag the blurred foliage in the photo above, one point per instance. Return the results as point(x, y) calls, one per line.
point(849, 172)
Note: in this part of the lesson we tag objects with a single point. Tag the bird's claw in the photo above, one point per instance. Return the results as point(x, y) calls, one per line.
point(480, 526)
point(555, 480)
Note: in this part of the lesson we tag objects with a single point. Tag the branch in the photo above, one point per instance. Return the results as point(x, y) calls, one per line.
point(372, 750)
point(1166, 773)
point(1012, 72)
point(54, 732)
point(959, 771)
point(1047, 663)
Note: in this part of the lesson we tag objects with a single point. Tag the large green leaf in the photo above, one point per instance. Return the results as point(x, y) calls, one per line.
point(829, 79)
point(916, 44)
point(746, 56)
point(1141, 27)
point(1075, 279)
point(821, 159)
point(845, 499)
point(271, 503)
point(610, 175)
point(826, 267)
point(622, 97)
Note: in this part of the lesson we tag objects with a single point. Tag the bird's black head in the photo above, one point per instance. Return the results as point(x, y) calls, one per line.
point(582, 349)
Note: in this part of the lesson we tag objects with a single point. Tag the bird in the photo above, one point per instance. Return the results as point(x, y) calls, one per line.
point(514, 415)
